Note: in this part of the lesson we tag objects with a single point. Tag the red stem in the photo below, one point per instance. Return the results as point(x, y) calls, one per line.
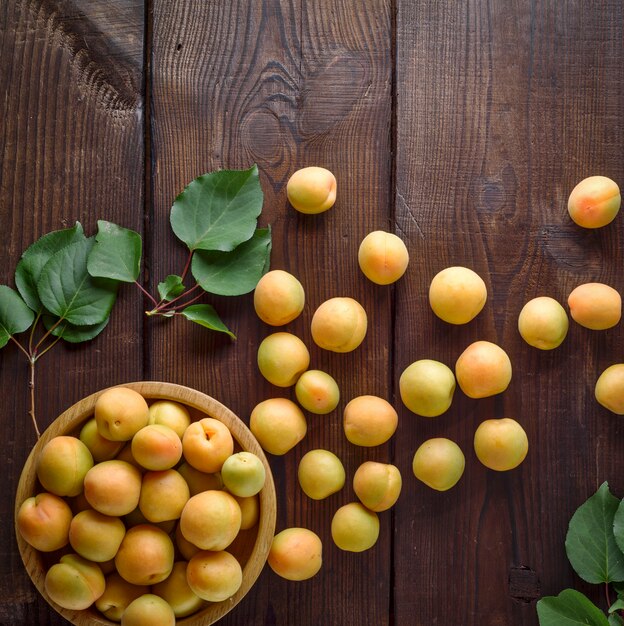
point(607, 596)
point(188, 264)
point(146, 293)
point(33, 352)
point(168, 307)
point(185, 304)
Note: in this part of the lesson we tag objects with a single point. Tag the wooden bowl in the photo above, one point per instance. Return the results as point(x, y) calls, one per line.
point(251, 547)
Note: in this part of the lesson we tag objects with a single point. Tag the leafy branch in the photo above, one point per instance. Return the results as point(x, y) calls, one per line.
point(67, 282)
point(595, 548)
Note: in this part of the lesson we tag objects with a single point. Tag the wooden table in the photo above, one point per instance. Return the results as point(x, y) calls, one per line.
point(462, 127)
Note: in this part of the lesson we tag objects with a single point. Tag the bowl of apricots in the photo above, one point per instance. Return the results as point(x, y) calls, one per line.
point(146, 501)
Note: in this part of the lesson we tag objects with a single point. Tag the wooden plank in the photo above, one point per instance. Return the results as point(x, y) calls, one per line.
point(501, 108)
point(71, 148)
point(283, 84)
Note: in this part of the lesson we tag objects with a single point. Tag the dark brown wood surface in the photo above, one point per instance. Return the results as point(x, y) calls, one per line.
point(462, 127)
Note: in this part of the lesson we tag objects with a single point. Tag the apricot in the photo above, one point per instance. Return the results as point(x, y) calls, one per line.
point(278, 424)
point(199, 481)
point(369, 421)
point(74, 583)
point(145, 555)
point(355, 528)
point(609, 389)
point(427, 387)
point(595, 306)
point(282, 358)
point(120, 413)
point(320, 474)
point(543, 323)
point(500, 444)
point(176, 591)
point(483, 369)
point(63, 464)
point(211, 520)
point(377, 485)
point(206, 444)
point(163, 495)
point(43, 522)
point(383, 257)
point(118, 594)
point(279, 298)
point(148, 610)
point(250, 511)
point(169, 413)
point(214, 576)
point(439, 463)
point(312, 190)
point(101, 449)
point(594, 202)
point(187, 549)
point(95, 536)
point(339, 325)
point(243, 474)
point(157, 447)
point(317, 392)
point(296, 554)
point(457, 294)
point(113, 487)
point(125, 454)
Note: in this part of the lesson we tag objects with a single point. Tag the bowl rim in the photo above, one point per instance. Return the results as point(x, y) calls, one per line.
point(75, 415)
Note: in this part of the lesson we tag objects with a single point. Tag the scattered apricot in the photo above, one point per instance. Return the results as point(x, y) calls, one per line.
point(543, 323)
point(383, 257)
point(312, 190)
point(279, 298)
point(609, 389)
point(501, 444)
point(594, 202)
point(595, 306)
point(457, 294)
point(339, 325)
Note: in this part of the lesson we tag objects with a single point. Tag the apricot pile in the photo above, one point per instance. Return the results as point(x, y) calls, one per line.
point(144, 520)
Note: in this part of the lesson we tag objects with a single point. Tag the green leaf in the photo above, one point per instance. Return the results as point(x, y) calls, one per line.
point(116, 254)
point(618, 605)
point(619, 588)
point(69, 292)
point(618, 526)
point(615, 620)
point(237, 272)
point(205, 315)
point(218, 211)
point(171, 287)
point(590, 542)
point(569, 608)
point(74, 334)
point(15, 316)
point(29, 268)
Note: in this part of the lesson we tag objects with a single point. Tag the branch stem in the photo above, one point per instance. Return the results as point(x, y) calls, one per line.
point(187, 266)
point(607, 595)
point(146, 293)
point(33, 352)
point(169, 307)
point(31, 384)
point(20, 346)
point(185, 304)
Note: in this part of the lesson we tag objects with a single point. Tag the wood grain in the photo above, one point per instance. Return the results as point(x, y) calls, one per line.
point(285, 85)
point(513, 89)
point(460, 126)
point(71, 148)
